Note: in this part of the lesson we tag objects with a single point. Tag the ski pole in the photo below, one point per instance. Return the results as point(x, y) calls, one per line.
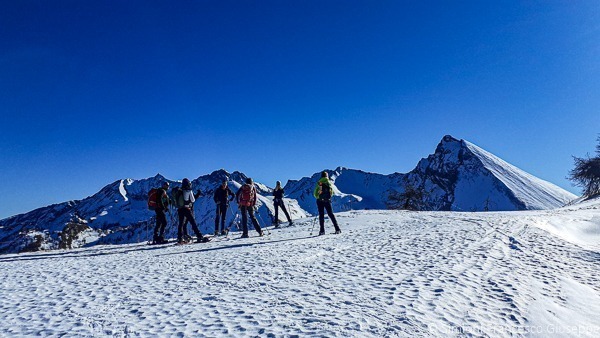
point(313, 225)
point(261, 220)
point(233, 221)
point(218, 219)
point(148, 230)
point(172, 222)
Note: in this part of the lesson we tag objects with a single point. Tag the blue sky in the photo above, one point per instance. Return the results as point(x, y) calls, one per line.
point(95, 91)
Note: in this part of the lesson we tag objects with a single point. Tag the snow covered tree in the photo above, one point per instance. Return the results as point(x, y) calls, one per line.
point(586, 173)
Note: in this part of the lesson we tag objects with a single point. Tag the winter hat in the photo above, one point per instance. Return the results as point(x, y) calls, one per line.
point(249, 180)
point(186, 184)
point(324, 174)
point(165, 184)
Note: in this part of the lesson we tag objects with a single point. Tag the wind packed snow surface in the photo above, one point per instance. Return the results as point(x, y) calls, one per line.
point(390, 273)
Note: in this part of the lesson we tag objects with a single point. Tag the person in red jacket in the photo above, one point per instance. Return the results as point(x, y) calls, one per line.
point(246, 200)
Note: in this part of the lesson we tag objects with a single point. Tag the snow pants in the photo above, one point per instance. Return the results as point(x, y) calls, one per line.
point(245, 212)
point(279, 204)
point(161, 223)
point(323, 205)
point(185, 215)
point(220, 217)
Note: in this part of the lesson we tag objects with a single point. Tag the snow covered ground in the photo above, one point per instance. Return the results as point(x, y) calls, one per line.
point(390, 273)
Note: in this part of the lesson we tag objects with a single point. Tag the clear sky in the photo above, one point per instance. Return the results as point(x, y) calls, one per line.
point(96, 91)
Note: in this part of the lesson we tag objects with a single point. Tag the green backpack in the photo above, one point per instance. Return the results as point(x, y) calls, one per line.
point(178, 197)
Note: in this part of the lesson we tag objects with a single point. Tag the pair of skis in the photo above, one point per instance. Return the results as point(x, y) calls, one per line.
point(206, 239)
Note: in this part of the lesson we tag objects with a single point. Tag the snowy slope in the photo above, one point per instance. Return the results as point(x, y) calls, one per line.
point(390, 273)
point(532, 191)
point(575, 223)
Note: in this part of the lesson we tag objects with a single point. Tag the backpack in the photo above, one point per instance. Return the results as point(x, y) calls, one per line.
point(247, 196)
point(153, 199)
point(326, 191)
point(178, 197)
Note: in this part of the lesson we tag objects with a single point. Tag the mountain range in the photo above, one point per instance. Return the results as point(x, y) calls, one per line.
point(458, 176)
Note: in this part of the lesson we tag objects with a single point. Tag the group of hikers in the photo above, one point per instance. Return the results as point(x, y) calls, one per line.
point(183, 198)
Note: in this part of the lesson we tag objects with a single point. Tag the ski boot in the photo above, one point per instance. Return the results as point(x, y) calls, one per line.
point(201, 239)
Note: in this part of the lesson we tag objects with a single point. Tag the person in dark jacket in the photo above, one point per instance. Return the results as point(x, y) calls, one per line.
point(278, 203)
point(223, 195)
point(186, 215)
point(161, 217)
point(246, 200)
point(323, 192)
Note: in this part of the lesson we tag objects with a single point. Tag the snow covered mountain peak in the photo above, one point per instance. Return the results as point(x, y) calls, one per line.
point(461, 176)
point(158, 177)
point(220, 174)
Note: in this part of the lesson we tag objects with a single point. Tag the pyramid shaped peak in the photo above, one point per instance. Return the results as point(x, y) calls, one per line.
point(158, 176)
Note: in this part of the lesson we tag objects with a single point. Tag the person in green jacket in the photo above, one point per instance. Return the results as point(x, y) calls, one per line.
point(323, 192)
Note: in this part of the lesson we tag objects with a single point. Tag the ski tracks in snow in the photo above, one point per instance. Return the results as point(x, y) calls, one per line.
point(388, 274)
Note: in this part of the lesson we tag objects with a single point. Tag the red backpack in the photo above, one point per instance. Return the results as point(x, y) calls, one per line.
point(154, 198)
point(248, 195)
